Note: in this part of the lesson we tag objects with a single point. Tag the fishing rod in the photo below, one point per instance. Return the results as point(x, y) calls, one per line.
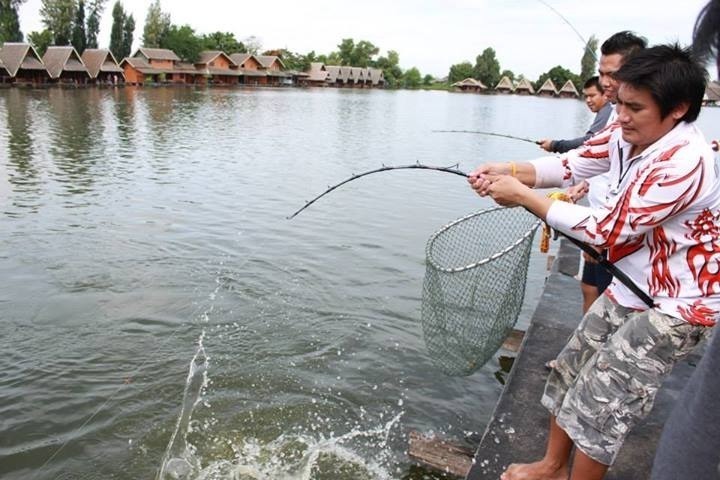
point(478, 132)
point(570, 25)
point(594, 254)
point(384, 168)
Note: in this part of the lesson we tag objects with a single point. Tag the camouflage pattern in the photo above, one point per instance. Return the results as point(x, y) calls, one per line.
point(610, 370)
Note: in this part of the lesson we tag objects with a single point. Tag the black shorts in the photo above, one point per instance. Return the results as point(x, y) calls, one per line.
point(594, 274)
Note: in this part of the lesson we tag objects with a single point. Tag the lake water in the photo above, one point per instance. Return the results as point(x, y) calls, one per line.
point(161, 318)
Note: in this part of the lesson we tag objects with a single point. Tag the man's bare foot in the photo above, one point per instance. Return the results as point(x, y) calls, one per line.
point(542, 470)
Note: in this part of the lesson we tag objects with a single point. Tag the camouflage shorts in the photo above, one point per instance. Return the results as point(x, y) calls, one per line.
point(610, 370)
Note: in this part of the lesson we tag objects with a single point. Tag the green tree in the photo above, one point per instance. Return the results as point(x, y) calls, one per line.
point(505, 73)
point(41, 40)
point(428, 80)
point(487, 68)
point(157, 24)
point(357, 55)
point(412, 78)
point(333, 59)
point(116, 31)
point(223, 41)
point(363, 53)
point(588, 60)
point(92, 24)
point(79, 40)
point(128, 35)
point(58, 16)
point(305, 61)
point(345, 49)
point(184, 42)
point(9, 21)
point(559, 75)
point(390, 66)
point(460, 71)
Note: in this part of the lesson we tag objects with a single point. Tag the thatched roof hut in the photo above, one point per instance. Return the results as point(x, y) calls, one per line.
point(568, 90)
point(505, 85)
point(547, 89)
point(524, 87)
point(469, 85)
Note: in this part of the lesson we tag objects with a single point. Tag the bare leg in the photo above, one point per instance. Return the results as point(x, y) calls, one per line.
point(590, 294)
point(553, 466)
point(585, 468)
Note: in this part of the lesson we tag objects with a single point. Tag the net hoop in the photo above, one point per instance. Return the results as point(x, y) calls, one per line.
point(435, 236)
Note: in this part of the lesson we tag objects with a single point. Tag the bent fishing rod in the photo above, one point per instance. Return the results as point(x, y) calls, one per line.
point(594, 254)
point(384, 168)
point(493, 134)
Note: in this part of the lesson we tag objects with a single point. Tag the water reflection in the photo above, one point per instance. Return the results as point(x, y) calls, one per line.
point(73, 132)
point(23, 172)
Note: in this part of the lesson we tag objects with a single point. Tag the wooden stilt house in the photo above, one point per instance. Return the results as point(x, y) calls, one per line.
point(568, 90)
point(23, 64)
point(504, 85)
point(469, 85)
point(547, 89)
point(102, 67)
point(250, 69)
point(64, 66)
point(524, 87)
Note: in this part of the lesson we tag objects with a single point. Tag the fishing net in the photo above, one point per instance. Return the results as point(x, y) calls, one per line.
point(474, 286)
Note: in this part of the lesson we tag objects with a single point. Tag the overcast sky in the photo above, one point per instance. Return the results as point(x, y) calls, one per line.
point(431, 35)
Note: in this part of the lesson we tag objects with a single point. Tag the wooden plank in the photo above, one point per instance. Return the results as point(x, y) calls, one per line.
point(440, 454)
point(513, 341)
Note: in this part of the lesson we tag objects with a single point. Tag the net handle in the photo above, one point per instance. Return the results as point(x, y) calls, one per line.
point(494, 256)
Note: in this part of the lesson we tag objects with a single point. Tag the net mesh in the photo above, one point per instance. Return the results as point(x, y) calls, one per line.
point(474, 286)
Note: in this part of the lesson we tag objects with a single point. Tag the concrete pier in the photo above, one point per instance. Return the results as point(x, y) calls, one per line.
point(518, 428)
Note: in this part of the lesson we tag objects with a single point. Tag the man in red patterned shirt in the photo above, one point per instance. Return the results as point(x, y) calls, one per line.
point(661, 226)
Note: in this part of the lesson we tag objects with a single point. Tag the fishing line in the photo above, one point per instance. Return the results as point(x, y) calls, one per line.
point(479, 132)
point(570, 25)
point(128, 379)
point(594, 254)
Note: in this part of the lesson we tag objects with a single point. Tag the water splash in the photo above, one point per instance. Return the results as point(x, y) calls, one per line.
point(179, 461)
point(302, 457)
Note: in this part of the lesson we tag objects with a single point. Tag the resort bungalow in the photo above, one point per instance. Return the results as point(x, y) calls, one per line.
point(317, 76)
point(64, 66)
point(102, 67)
point(469, 85)
point(358, 75)
point(23, 64)
point(504, 85)
point(249, 68)
point(273, 66)
point(344, 75)
point(216, 67)
point(524, 87)
point(548, 89)
point(156, 65)
point(333, 76)
point(376, 77)
point(568, 90)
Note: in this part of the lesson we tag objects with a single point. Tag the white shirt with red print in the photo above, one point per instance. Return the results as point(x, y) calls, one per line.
point(660, 222)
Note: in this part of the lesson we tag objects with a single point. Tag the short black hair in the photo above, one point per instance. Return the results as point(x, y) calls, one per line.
point(671, 74)
point(706, 34)
point(593, 82)
point(625, 43)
